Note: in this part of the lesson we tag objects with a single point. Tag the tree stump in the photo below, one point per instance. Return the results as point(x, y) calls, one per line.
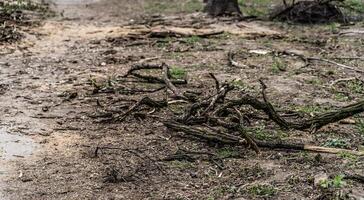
point(222, 7)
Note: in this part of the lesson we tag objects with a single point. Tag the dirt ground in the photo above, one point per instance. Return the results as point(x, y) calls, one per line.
point(47, 94)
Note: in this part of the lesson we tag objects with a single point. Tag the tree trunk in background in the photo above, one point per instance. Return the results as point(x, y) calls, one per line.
point(222, 7)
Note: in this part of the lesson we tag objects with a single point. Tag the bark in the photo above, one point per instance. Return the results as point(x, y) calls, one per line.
point(222, 7)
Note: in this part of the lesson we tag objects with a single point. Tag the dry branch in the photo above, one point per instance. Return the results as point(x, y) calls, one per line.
point(245, 134)
point(169, 84)
point(234, 63)
point(217, 111)
point(144, 101)
point(223, 138)
point(308, 59)
point(315, 122)
point(150, 79)
point(337, 64)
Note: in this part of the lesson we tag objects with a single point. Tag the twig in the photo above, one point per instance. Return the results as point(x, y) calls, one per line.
point(149, 79)
point(342, 80)
point(349, 58)
point(234, 63)
point(144, 101)
point(337, 64)
point(169, 84)
point(306, 59)
point(355, 177)
point(220, 95)
point(315, 122)
point(141, 66)
point(245, 135)
point(217, 83)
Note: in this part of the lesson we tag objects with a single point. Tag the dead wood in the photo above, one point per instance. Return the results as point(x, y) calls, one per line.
point(169, 84)
point(234, 63)
point(223, 138)
point(226, 114)
point(335, 63)
point(217, 83)
point(171, 31)
point(355, 177)
point(251, 141)
point(150, 79)
point(310, 59)
point(313, 123)
point(144, 101)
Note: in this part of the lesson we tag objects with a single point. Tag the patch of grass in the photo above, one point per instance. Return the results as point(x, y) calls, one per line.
point(360, 127)
point(174, 55)
point(178, 73)
point(336, 182)
point(281, 134)
point(261, 134)
point(334, 27)
point(239, 84)
point(262, 190)
point(278, 65)
point(219, 192)
point(336, 143)
point(356, 86)
point(173, 6)
point(254, 8)
point(304, 155)
point(13, 6)
point(341, 97)
point(192, 40)
point(348, 156)
point(253, 172)
point(181, 164)
point(356, 5)
point(310, 109)
point(314, 81)
point(227, 152)
point(193, 6)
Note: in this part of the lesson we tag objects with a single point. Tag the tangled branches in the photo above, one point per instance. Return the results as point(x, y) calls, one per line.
point(219, 118)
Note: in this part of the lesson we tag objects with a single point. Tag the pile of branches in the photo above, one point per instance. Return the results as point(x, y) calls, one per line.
point(222, 117)
point(317, 11)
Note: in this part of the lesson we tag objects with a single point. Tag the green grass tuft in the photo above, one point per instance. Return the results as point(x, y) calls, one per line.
point(360, 127)
point(178, 73)
point(173, 6)
point(336, 182)
point(336, 143)
point(262, 190)
point(278, 65)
